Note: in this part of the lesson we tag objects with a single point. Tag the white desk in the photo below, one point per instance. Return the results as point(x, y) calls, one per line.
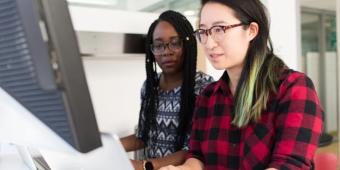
point(109, 157)
point(10, 158)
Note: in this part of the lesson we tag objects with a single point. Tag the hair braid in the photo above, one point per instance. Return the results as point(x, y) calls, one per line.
point(150, 99)
point(185, 31)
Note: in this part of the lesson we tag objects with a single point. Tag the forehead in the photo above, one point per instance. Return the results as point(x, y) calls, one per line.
point(164, 31)
point(216, 13)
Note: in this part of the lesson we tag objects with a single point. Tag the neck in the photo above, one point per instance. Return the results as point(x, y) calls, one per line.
point(234, 77)
point(170, 81)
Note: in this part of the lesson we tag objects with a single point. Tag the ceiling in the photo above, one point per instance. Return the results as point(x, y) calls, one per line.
point(188, 7)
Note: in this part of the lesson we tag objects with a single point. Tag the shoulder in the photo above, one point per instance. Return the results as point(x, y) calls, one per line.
point(292, 81)
point(209, 89)
point(291, 77)
point(201, 77)
point(143, 88)
point(201, 81)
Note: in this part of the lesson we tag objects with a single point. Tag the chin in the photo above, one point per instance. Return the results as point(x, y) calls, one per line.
point(170, 71)
point(218, 66)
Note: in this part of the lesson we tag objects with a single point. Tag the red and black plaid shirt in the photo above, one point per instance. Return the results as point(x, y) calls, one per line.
point(286, 136)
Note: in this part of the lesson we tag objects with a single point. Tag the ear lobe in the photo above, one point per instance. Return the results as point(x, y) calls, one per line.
point(253, 30)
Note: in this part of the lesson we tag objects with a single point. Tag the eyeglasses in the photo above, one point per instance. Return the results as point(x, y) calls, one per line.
point(216, 32)
point(158, 48)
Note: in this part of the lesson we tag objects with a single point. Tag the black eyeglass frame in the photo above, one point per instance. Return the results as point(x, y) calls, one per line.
point(166, 45)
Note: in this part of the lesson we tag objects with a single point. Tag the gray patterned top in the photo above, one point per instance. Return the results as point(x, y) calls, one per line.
point(163, 141)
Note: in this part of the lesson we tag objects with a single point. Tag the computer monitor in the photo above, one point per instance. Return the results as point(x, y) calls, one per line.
point(41, 68)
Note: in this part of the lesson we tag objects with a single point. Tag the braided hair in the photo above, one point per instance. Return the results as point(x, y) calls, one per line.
point(150, 101)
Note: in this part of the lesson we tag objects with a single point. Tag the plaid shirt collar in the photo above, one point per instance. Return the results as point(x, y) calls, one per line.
point(222, 85)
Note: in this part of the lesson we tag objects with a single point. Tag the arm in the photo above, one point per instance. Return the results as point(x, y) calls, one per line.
point(298, 124)
point(190, 164)
point(131, 143)
point(135, 142)
point(176, 158)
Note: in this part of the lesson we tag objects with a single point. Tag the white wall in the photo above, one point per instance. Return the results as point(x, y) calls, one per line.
point(115, 89)
point(108, 20)
point(285, 30)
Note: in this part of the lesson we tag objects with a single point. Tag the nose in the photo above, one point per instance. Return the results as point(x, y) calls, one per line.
point(166, 51)
point(211, 43)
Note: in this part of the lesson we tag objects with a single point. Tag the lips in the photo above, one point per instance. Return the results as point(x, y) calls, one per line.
point(215, 56)
point(168, 63)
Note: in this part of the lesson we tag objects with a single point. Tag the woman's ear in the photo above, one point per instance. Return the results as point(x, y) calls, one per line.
point(253, 30)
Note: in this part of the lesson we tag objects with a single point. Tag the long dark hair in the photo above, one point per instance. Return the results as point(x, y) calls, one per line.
point(149, 104)
point(260, 74)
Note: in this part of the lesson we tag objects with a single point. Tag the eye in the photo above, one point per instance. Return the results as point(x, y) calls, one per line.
point(218, 29)
point(176, 42)
point(158, 46)
point(201, 32)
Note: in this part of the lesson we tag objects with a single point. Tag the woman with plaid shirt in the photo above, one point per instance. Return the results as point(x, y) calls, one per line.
point(260, 114)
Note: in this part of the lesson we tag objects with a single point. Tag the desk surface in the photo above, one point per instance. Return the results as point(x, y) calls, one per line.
point(10, 158)
point(110, 156)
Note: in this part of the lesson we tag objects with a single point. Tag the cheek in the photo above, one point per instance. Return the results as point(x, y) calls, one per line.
point(180, 56)
point(236, 47)
point(157, 59)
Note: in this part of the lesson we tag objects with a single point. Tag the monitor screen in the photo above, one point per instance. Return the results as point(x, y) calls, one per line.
point(41, 68)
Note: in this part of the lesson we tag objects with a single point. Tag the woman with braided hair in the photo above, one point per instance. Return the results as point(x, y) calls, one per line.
point(168, 97)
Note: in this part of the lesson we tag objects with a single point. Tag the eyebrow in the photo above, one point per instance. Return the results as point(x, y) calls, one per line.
point(172, 37)
point(214, 23)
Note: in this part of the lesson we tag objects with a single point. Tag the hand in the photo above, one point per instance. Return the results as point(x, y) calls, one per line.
point(137, 165)
point(170, 167)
